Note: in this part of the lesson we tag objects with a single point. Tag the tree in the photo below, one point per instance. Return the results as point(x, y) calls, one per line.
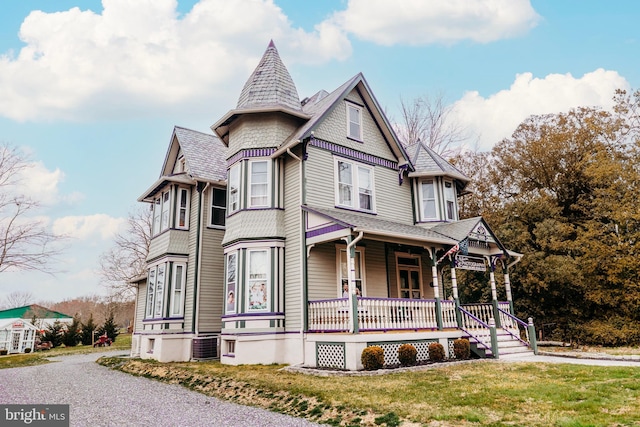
point(109, 328)
point(72, 335)
point(25, 242)
point(18, 299)
point(126, 260)
point(88, 328)
point(53, 333)
point(432, 121)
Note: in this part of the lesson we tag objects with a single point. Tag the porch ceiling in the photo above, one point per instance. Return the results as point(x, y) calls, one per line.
point(374, 228)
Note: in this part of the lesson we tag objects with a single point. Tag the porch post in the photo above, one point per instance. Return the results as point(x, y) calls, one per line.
point(351, 277)
point(507, 288)
point(494, 293)
point(454, 289)
point(434, 278)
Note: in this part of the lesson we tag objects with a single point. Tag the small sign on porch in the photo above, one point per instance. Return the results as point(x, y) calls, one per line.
point(465, 262)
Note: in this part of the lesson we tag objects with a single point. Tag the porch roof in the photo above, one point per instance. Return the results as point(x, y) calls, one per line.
point(370, 225)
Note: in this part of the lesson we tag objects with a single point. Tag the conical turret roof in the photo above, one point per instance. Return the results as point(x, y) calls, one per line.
point(269, 85)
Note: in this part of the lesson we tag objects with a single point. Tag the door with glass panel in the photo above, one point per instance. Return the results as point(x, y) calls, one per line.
point(409, 277)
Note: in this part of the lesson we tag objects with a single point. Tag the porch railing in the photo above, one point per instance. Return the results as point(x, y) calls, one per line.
point(517, 328)
point(476, 328)
point(380, 314)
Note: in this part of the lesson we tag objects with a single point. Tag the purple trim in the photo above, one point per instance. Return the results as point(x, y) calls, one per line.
point(162, 319)
point(229, 316)
point(254, 152)
point(163, 332)
point(324, 230)
point(258, 334)
point(353, 154)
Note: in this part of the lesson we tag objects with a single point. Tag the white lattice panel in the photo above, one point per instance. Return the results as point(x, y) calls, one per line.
point(331, 355)
point(452, 354)
point(391, 350)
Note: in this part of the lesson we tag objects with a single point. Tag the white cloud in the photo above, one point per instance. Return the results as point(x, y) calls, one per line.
point(497, 116)
point(91, 226)
point(418, 22)
point(136, 57)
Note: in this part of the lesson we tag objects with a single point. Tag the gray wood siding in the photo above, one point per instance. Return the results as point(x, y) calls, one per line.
point(260, 131)
point(293, 244)
point(255, 223)
point(334, 128)
point(321, 274)
point(375, 269)
point(141, 303)
point(191, 262)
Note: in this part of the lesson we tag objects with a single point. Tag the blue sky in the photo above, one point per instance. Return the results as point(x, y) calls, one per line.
point(92, 90)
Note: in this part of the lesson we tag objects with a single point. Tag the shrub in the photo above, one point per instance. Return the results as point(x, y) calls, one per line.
point(27, 350)
point(461, 349)
point(407, 354)
point(4, 352)
point(372, 358)
point(436, 352)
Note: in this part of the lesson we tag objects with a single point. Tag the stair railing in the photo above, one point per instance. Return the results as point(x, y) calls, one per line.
point(515, 327)
point(476, 328)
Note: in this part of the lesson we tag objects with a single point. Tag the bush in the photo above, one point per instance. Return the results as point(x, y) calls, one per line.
point(461, 349)
point(372, 358)
point(27, 350)
point(4, 352)
point(407, 354)
point(436, 352)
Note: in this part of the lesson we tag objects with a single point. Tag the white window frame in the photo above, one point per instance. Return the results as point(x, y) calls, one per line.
point(183, 194)
point(356, 168)
point(450, 197)
point(177, 294)
point(161, 282)
point(231, 283)
point(234, 181)
point(356, 108)
point(422, 200)
point(156, 208)
point(165, 216)
point(340, 251)
point(253, 290)
point(151, 286)
point(267, 184)
point(213, 207)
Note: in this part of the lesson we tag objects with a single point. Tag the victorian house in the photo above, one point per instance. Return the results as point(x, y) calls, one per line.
point(303, 231)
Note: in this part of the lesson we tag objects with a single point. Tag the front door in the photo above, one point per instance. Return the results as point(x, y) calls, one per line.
point(15, 342)
point(409, 277)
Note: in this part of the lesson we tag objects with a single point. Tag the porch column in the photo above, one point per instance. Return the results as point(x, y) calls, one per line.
point(494, 293)
point(507, 288)
point(434, 278)
point(454, 289)
point(351, 277)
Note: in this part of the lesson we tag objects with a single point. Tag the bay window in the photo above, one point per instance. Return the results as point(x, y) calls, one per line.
point(234, 188)
point(165, 295)
point(177, 293)
point(258, 283)
point(231, 280)
point(429, 205)
point(259, 184)
point(450, 201)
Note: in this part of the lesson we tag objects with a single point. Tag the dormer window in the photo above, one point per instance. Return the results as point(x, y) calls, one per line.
point(437, 200)
point(450, 201)
point(354, 121)
point(429, 205)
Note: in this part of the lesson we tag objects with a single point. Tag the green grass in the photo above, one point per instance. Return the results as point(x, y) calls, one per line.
point(123, 342)
point(473, 394)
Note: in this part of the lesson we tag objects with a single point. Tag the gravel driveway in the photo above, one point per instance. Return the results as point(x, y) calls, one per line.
point(99, 396)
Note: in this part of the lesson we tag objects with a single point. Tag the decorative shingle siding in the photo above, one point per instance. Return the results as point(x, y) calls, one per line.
point(334, 128)
point(171, 241)
point(293, 245)
point(254, 223)
point(259, 131)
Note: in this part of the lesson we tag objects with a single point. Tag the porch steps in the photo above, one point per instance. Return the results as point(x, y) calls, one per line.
point(508, 346)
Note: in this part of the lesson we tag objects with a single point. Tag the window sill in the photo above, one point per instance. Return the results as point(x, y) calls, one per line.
point(349, 208)
point(350, 138)
point(216, 227)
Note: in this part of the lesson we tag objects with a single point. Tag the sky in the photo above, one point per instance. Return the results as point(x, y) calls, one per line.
point(91, 90)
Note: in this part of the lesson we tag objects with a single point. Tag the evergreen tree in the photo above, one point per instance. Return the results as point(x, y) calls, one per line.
point(88, 329)
point(109, 327)
point(72, 335)
point(53, 333)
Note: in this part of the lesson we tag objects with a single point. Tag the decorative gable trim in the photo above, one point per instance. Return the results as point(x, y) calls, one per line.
point(245, 154)
point(353, 154)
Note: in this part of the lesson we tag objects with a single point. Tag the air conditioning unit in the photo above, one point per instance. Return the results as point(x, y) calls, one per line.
point(204, 348)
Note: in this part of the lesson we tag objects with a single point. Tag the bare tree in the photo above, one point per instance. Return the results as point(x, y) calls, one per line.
point(25, 242)
point(430, 120)
point(126, 260)
point(18, 299)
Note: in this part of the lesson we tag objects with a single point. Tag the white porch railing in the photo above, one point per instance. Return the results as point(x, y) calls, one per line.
point(484, 312)
point(476, 328)
point(380, 314)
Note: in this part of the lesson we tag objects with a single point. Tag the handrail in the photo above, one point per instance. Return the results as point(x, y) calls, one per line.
point(473, 317)
point(521, 323)
point(477, 320)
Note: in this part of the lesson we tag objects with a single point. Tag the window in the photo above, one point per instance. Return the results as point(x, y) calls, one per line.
point(234, 188)
point(231, 293)
point(156, 215)
point(164, 219)
point(428, 194)
point(343, 273)
point(218, 207)
point(354, 121)
point(352, 177)
point(257, 283)
point(450, 200)
point(159, 298)
point(259, 184)
point(179, 279)
point(151, 286)
point(182, 212)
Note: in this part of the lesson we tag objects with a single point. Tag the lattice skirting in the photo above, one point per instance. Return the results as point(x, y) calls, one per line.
point(391, 350)
point(330, 355)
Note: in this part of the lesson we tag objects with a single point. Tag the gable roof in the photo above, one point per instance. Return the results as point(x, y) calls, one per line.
point(326, 103)
point(427, 162)
point(475, 228)
point(28, 311)
point(197, 149)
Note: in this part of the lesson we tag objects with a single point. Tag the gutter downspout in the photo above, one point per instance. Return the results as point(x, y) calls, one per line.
point(353, 302)
point(198, 267)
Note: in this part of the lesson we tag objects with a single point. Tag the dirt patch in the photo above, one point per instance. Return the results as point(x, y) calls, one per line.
point(243, 393)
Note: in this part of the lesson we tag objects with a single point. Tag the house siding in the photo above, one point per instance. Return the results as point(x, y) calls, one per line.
point(293, 245)
point(141, 297)
point(171, 241)
point(321, 274)
point(260, 131)
point(253, 224)
point(191, 262)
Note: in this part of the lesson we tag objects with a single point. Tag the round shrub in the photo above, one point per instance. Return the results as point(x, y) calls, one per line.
point(461, 349)
point(436, 352)
point(372, 358)
point(4, 352)
point(27, 350)
point(407, 354)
